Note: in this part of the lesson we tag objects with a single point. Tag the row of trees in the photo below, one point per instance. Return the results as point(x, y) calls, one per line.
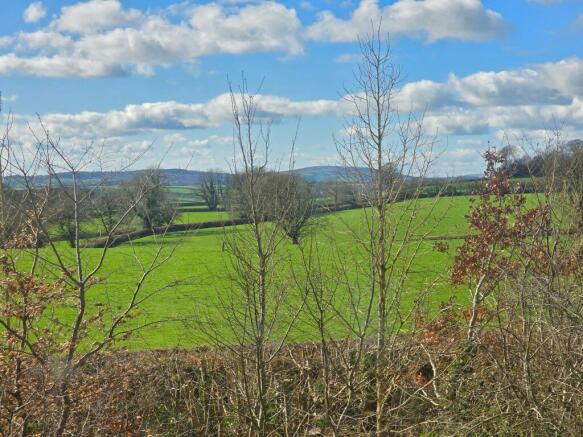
point(558, 162)
point(287, 197)
point(104, 205)
point(537, 163)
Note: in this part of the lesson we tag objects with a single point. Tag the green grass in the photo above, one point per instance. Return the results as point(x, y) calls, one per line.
point(193, 216)
point(185, 194)
point(188, 214)
point(201, 266)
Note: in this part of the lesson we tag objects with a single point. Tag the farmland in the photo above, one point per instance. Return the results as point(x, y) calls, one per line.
point(247, 218)
point(199, 271)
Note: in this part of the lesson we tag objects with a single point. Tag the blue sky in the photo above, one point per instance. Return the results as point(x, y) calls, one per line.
point(124, 74)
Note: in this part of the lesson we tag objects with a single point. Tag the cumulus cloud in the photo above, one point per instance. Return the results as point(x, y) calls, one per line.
point(307, 6)
point(115, 151)
point(555, 83)
point(525, 99)
point(425, 95)
point(483, 120)
point(539, 85)
point(34, 12)
point(460, 159)
point(10, 98)
point(534, 97)
point(202, 152)
point(100, 38)
point(479, 103)
point(463, 154)
point(58, 66)
point(6, 41)
point(170, 126)
point(94, 15)
point(466, 20)
point(347, 58)
point(176, 116)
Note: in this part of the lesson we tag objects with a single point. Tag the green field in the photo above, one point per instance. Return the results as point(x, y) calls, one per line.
point(192, 216)
point(199, 271)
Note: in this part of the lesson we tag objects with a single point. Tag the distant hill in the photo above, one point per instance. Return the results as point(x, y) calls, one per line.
point(325, 173)
point(178, 177)
point(174, 177)
point(471, 177)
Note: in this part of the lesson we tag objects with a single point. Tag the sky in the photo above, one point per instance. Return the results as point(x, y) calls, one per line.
point(151, 77)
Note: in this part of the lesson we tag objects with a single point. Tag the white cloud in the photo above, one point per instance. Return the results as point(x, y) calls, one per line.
point(6, 41)
point(555, 83)
point(200, 153)
point(43, 40)
point(464, 159)
point(10, 98)
point(170, 126)
point(58, 66)
point(100, 38)
point(535, 97)
point(424, 95)
point(527, 99)
point(177, 138)
point(171, 115)
point(463, 154)
point(268, 26)
point(34, 12)
point(466, 20)
point(94, 15)
point(483, 120)
point(347, 58)
point(507, 88)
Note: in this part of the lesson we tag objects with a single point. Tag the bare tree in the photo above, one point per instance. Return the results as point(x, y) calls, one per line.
point(62, 277)
point(12, 214)
point(108, 204)
point(211, 189)
point(60, 213)
point(388, 155)
point(254, 321)
point(154, 207)
point(289, 201)
point(298, 212)
point(572, 173)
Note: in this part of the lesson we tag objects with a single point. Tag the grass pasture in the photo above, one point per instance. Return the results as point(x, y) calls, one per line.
point(198, 271)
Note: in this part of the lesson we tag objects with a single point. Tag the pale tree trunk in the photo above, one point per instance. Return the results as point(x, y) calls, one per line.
point(392, 151)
